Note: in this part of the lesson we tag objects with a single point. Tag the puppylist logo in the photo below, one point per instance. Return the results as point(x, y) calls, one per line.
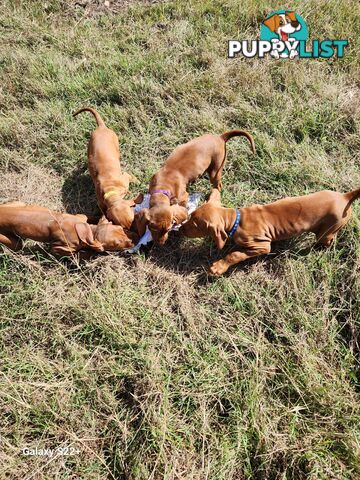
point(283, 34)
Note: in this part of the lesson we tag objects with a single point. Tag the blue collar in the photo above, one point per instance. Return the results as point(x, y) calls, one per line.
point(236, 224)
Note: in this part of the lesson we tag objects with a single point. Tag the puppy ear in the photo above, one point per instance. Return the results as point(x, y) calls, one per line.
point(133, 236)
point(141, 220)
point(139, 198)
point(180, 214)
point(87, 237)
point(218, 234)
point(271, 23)
point(215, 196)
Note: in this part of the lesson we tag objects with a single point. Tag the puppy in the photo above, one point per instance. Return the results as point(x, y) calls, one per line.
point(111, 184)
point(254, 228)
point(168, 186)
point(67, 234)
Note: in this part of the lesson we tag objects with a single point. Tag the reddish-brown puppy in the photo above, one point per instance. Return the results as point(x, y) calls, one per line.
point(111, 184)
point(168, 186)
point(67, 234)
point(254, 228)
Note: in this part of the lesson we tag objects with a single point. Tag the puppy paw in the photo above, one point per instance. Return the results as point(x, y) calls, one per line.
point(218, 268)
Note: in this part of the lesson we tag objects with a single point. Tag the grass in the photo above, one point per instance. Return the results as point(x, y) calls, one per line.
point(145, 366)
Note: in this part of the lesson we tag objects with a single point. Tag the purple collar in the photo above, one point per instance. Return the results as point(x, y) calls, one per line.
point(164, 192)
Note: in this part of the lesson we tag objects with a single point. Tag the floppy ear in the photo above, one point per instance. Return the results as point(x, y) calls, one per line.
point(271, 23)
point(215, 196)
point(141, 220)
point(180, 214)
point(87, 238)
point(218, 234)
point(139, 198)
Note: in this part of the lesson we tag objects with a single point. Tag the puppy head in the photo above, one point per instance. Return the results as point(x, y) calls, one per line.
point(160, 219)
point(114, 238)
point(121, 213)
point(205, 222)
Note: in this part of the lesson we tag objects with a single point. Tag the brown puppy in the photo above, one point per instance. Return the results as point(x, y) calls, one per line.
point(111, 184)
point(254, 228)
point(168, 186)
point(66, 233)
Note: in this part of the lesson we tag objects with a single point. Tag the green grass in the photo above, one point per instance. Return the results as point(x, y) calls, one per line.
point(147, 367)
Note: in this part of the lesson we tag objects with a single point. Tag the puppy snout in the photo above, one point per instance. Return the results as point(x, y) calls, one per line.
point(184, 228)
point(295, 23)
point(132, 236)
point(161, 240)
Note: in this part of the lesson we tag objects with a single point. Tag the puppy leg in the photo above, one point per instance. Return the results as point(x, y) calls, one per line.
point(132, 178)
point(325, 240)
point(183, 201)
point(63, 250)
point(215, 173)
point(217, 166)
point(221, 266)
point(325, 234)
point(14, 243)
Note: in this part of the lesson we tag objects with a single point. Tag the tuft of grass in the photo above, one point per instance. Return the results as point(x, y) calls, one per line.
point(143, 365)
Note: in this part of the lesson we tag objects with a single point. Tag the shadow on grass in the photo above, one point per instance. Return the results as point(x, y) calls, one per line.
point(181, 255)
point(187, 256)
point(78, 193)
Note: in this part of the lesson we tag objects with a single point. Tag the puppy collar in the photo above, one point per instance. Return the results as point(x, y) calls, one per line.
point(236, 224)
point(164, 192)
point(109, 194)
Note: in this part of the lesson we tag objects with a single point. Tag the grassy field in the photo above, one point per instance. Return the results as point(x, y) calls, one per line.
point(144, 365)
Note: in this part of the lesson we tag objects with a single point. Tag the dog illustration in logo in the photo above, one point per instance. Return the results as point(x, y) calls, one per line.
point(283, 24)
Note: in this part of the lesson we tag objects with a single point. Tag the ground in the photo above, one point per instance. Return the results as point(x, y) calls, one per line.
point(142, 364)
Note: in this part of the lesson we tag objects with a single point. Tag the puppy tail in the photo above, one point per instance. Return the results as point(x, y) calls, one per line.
point(352, 196)
point(239, 133)
point(100, 122)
